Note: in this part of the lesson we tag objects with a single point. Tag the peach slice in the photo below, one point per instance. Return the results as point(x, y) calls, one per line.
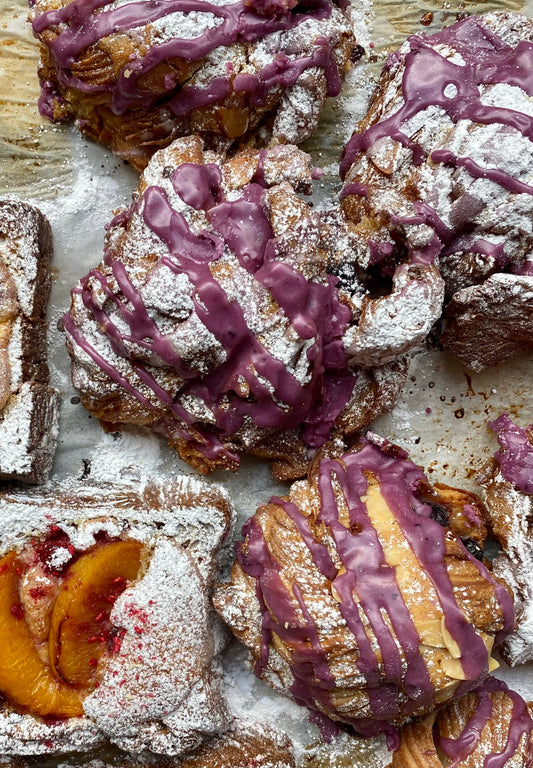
point(80, 630)
point(25, 679)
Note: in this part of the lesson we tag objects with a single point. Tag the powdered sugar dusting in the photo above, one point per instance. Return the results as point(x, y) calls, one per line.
point(21, 734)
point(394, 324)
point(19, 251)
point(143, 683)
point(145, 372)
point(443, 441)
point(28, 406)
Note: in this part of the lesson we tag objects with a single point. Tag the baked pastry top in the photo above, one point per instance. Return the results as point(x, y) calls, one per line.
point(246, 744)
point(355, 601)
point(507, 483)
point(29, 407)
point(106, 628)
point(136, 75)
point(490, 726)
point(217, 316)
point(440, 172)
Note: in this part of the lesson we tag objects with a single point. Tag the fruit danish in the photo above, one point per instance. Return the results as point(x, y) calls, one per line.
point(354, 600)
point(217, 316)
point(28, 405)
point(105, 622)
point(439, 173)
point(490, 726)
point(136, 75)
point(507, 482)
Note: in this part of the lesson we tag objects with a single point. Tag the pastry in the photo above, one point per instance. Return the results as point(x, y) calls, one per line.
point(490, 726)
point(135, 75)
point(217, 316)
point(29, 407)
point(245, 744)
point(507, 483)
point(354, 600)
point(488, 323)
point(106, 628)
point(439, 173)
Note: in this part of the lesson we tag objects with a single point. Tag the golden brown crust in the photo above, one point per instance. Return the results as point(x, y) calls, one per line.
point(257, 747)
point(417, 747)
point(462, 511)
point(488, 323)
point(510, 516)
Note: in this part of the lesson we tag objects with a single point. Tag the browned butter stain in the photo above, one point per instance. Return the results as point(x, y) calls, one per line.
point(408, 18)
point(35, 158)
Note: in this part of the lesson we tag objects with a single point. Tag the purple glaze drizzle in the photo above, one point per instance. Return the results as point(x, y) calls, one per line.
point(271, 7)
point(506, 181)
point(472, 515)
point(309, 659)
point(402, 685)
point(83, 23)
point(520, 725)
point(525, 269)
point(354, 188)
point(487, 61)
point(515, 456)
point(277, 399)
point(427, 78)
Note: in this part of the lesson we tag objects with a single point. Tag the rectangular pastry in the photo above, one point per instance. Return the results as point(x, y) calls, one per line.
point(29, 407)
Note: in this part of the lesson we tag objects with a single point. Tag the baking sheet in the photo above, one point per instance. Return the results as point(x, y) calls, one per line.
point(441, 417)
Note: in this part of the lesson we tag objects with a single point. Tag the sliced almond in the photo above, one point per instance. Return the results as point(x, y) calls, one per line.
point(449, 642)
point(429, 632)
point(383, 154)
point(454, 669)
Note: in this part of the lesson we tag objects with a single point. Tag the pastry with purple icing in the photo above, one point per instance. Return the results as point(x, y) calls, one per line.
point(439, 174)
point(356, 601)
point(106, 628)
point(507, 483)
point(217, 315)
point(136, 75)
point(489, 726)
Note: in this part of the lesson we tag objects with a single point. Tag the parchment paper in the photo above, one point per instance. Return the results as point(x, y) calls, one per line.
point(441, 418)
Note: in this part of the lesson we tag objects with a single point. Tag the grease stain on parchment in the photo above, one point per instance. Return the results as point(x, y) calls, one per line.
point(394, 16)
point(35, 156)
